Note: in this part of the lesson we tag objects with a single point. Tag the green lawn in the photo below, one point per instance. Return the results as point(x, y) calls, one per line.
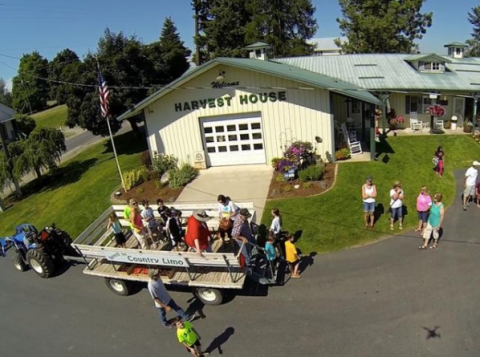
point(79, 192)
point(51, 118)
point(334, 220)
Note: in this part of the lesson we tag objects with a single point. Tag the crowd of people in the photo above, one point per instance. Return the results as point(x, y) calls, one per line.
point(430, 212)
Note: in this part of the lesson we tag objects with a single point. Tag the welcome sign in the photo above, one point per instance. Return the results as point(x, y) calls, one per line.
point(154, 258)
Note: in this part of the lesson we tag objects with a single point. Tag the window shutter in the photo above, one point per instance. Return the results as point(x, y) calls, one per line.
point(407, 104)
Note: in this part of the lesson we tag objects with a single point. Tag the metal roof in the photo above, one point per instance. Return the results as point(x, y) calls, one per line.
point(6, 113)
point(455, 44)
point(257, 45)
point(427, 57)
point(392, 72)
point(326, 43)
point(309, 78)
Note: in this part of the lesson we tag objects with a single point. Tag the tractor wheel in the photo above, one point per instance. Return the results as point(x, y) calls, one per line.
point(66, 242)
point(18, 262)
point(209, 296)
point(40, 263)
point(119, 287)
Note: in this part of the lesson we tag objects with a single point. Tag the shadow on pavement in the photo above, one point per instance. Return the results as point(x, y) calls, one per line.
point(220, 340)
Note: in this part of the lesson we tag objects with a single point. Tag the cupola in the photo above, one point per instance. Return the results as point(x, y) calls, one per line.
point(258, 50)
point(456, 49)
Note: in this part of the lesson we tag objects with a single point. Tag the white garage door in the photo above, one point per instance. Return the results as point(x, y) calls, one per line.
point(233, 141)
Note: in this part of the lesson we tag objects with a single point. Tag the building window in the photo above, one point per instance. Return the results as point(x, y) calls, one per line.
point(413, 103)
point(355, 106)
point(431, 66)
point(458, 50)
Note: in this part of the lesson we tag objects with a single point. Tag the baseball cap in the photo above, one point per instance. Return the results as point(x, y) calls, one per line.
point(476, 163)
point(244, 212)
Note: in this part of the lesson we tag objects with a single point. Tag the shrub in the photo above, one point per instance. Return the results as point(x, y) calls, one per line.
point(180, 177)
point(311, 173)
point(275, 162)
point(162, 163)
point(134, 178)
point(343, 154)
point(307, 184)
point(146, 159)
point(280, 178)
point(287, 188)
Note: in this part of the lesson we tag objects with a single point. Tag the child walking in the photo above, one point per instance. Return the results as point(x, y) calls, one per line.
point(114, 223)
point(293, 259)
point(188, 337)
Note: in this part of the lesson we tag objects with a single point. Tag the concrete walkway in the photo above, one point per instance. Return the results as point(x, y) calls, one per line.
point(246, 183)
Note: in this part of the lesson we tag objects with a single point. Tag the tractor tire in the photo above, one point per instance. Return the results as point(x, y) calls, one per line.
point(209, 296)
point(66, 242)
point(18, 262)
point(119, 287)
point(41, 263)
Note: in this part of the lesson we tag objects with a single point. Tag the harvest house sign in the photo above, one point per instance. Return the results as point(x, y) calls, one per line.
point(227, 101)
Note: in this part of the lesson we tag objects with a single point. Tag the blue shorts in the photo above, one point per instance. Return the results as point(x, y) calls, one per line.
point(368, 207)
point(423, 216)
point(396, 213)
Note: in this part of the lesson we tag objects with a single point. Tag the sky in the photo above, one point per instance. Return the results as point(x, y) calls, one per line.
point(49, 26)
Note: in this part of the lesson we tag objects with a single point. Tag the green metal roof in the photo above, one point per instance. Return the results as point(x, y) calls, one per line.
point(316, 80)
point(256, 45)
point(391, 72)
point(455, 44)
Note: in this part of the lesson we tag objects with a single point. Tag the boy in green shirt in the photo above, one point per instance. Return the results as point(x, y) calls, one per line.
point(188, 337)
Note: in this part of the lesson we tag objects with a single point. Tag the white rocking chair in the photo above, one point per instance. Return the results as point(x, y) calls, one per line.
point(354, 145)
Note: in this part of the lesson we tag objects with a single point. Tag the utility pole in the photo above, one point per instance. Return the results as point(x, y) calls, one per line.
point(196, 32)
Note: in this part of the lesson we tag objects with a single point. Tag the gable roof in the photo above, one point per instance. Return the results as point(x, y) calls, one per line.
point(455, 44)
point(6, 113)
point(391, 72)
point(286, 71)
point(256, 45)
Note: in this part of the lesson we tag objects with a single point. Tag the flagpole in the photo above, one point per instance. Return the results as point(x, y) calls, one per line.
point(115, 153)
point(107, 118)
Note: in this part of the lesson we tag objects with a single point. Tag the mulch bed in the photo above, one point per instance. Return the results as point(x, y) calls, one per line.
point(150, 192)
point(279, 190)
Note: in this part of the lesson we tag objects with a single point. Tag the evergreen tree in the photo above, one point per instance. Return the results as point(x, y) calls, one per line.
point(30, 89)
point(228, 26)
point(382, 26)
point(474, 42)
point(169, 54)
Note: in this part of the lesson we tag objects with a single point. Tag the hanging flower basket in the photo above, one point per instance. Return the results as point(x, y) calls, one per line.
point(436, 110)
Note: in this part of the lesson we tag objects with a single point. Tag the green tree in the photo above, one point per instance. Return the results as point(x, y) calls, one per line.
point(65, 67)
point(228, 26)
point(286, 25)
point(382, 26)
point(25, 123)
point(41, 150)
point(474, 43)
point(5, 95)
point(169, 54)
point(127, 69)
point(30, 89)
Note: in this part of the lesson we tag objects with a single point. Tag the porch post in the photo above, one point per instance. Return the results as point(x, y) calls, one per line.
point(433, 102)
point(373, 143)
point(383, 98)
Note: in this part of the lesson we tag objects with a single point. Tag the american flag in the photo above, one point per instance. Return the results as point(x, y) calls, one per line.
point(104, 95)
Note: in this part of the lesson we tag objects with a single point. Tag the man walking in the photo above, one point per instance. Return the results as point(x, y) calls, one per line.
point(163, 302)
point(469, 183)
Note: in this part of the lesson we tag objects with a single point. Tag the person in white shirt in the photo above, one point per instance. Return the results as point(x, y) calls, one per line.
point(227, 210)
point(469, 183)
point(396, 205)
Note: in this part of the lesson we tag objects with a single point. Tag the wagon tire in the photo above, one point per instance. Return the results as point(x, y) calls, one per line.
point(40, 263)
point(209, 296)
point(18, 262)
point(119, 287)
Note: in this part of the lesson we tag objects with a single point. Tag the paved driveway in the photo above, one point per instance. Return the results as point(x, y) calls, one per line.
point(246, 183)
point(385, 299)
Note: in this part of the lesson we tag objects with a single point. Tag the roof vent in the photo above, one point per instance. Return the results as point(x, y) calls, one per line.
point(258, 50)
point(456, 49)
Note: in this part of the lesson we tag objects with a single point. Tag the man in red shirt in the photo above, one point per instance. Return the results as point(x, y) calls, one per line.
point(198, 235)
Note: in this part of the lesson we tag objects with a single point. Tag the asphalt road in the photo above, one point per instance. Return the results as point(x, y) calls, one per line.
point(385, 299)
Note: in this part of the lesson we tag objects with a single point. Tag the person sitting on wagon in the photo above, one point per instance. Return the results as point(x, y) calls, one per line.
point(149, 220)
point(173, 229)
point(198, 235)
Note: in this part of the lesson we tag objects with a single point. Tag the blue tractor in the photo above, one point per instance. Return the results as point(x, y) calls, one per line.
point(43, 251)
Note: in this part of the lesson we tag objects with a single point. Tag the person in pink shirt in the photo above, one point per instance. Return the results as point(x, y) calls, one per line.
point(424, 202)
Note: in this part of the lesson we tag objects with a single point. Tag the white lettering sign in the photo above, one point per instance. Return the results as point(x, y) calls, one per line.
point(148, 258)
